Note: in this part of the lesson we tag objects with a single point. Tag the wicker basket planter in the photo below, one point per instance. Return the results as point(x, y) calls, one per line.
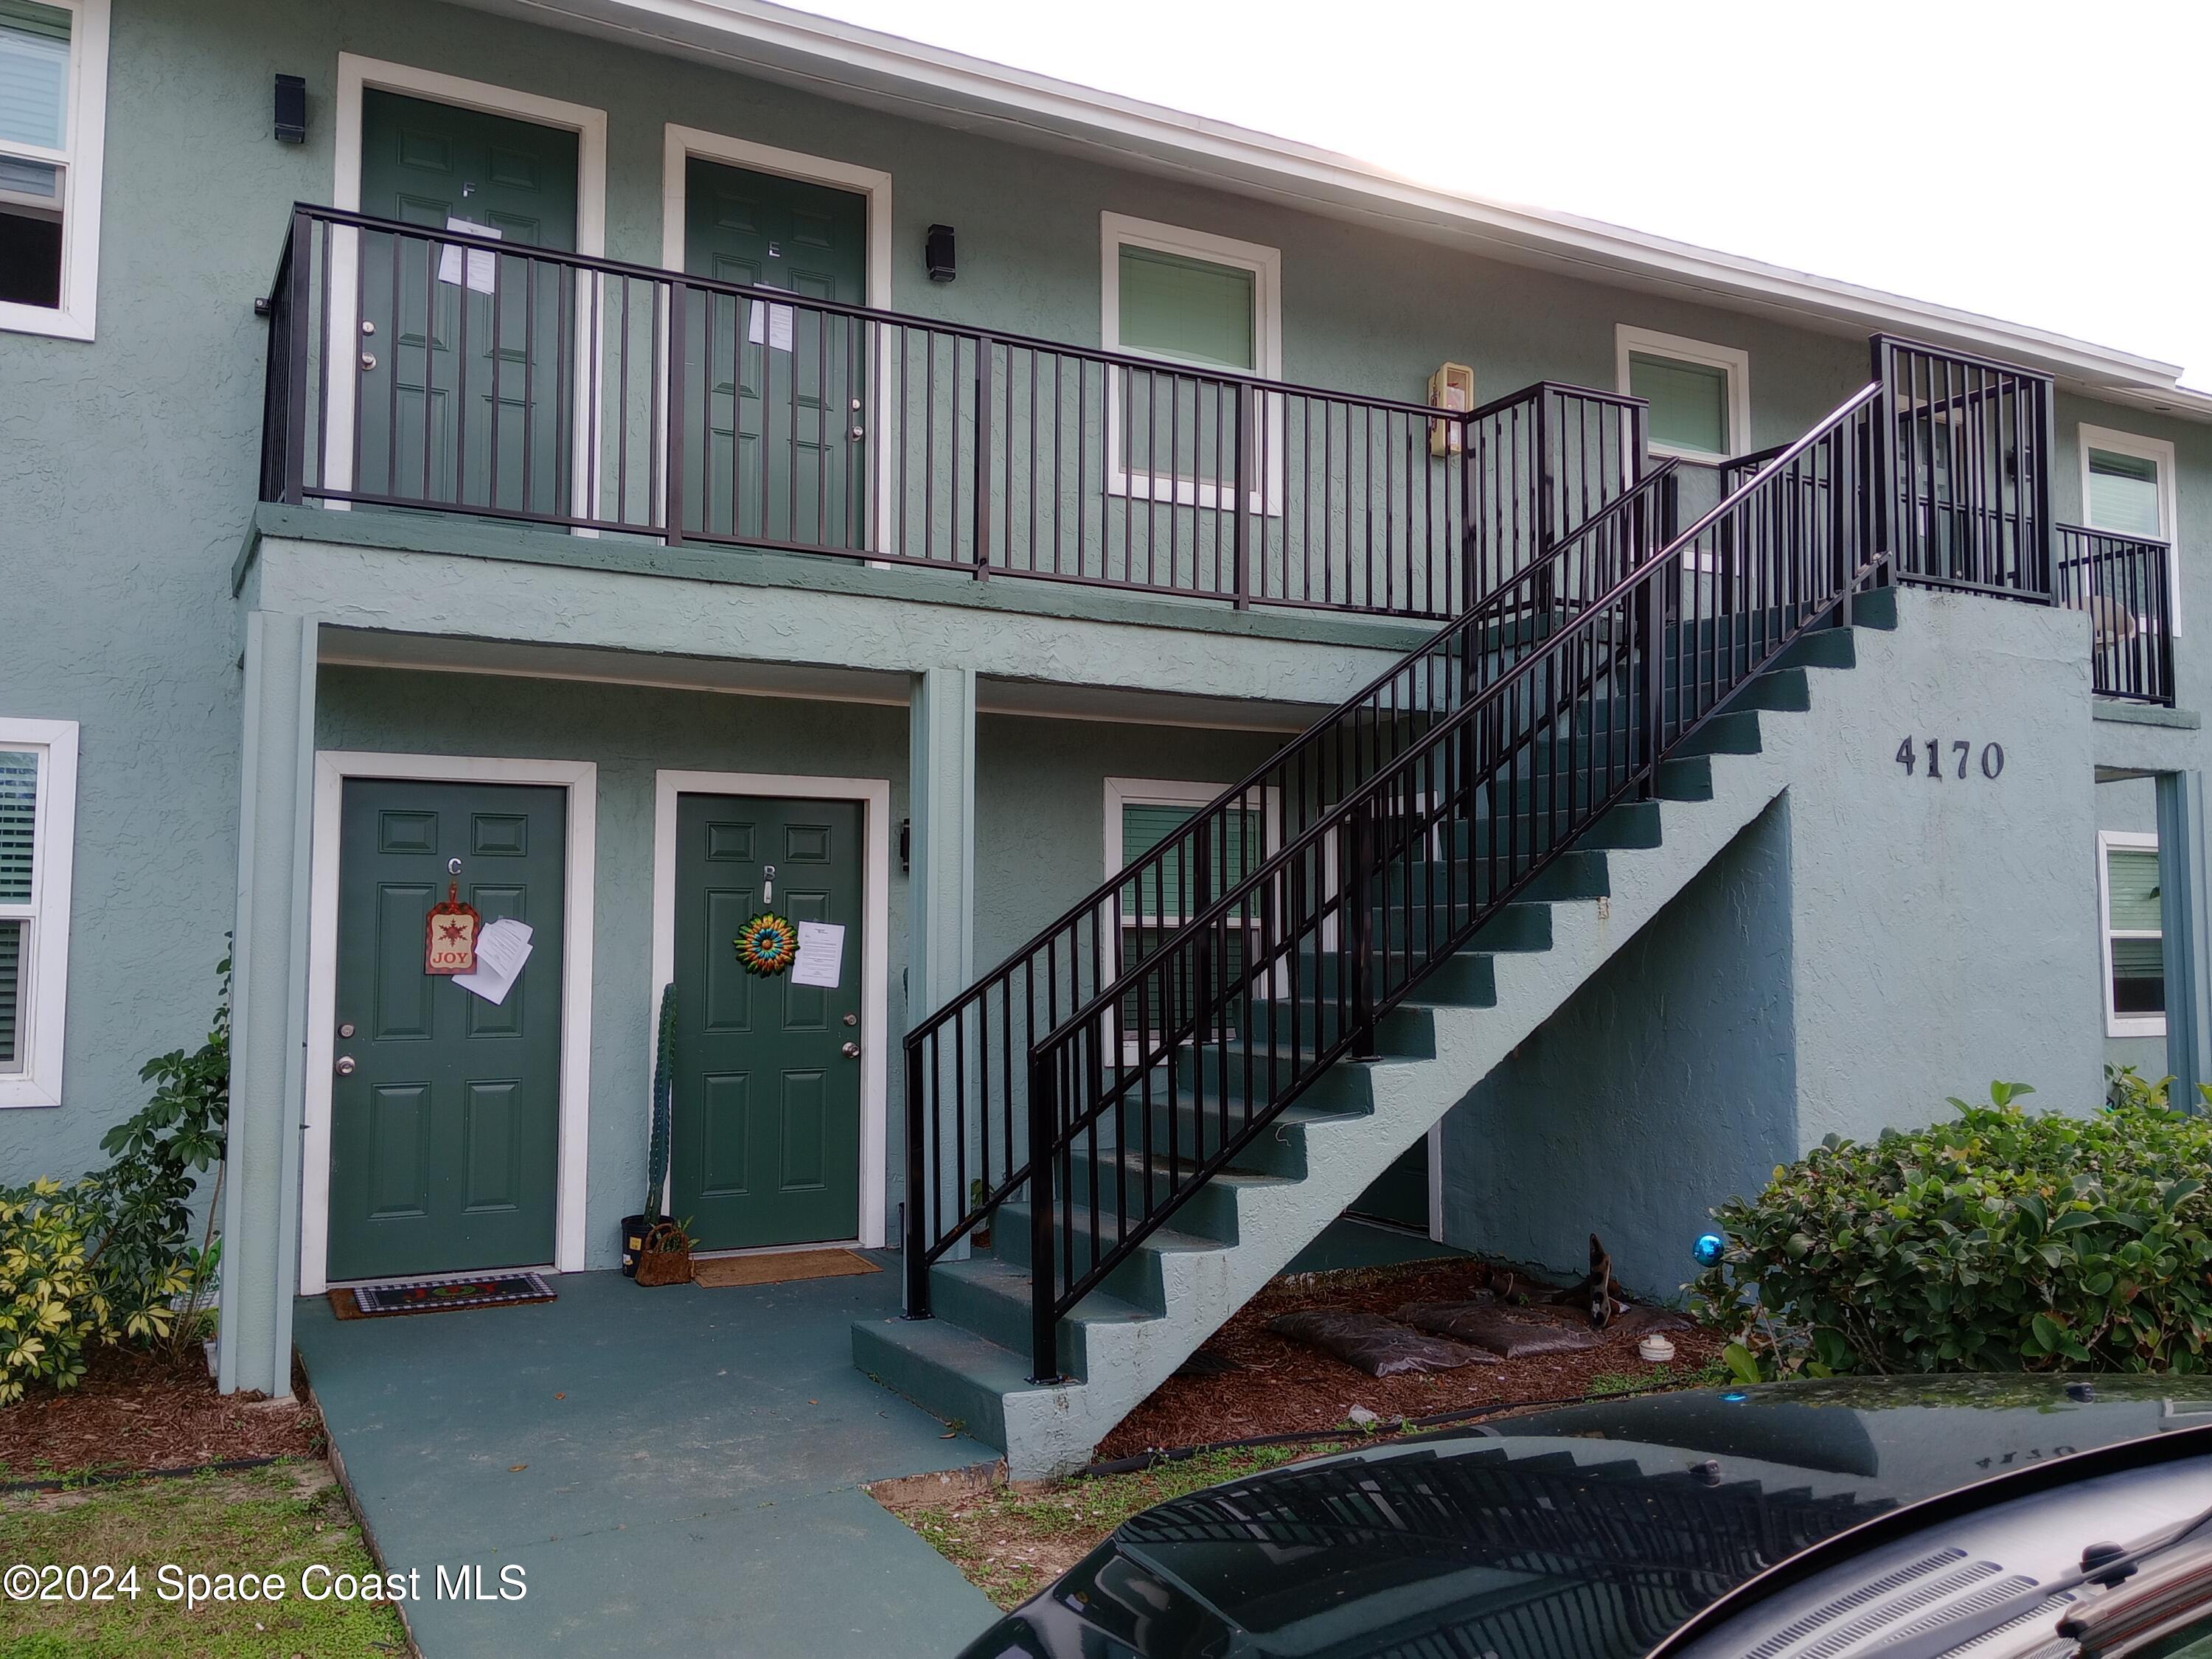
point(666, 1258)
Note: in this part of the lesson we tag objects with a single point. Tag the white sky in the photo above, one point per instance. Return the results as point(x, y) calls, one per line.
point(2041, 162)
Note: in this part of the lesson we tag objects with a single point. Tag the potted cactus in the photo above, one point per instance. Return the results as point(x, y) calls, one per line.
point(637, 1229)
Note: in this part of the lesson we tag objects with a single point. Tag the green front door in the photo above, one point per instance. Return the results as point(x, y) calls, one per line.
point(778, 390)
point(767, 1108)
point(465, 388)
point(445, 1113)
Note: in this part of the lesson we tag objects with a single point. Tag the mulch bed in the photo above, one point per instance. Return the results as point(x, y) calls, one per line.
point(139, 1410)
point(1280, 1386)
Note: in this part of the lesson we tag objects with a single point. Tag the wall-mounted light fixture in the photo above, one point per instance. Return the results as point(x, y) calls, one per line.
point(936, 253)
point(291, 109)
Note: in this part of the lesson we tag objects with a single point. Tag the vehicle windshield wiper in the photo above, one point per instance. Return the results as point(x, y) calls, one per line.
point(2145, 1610)
point(1961, 1628)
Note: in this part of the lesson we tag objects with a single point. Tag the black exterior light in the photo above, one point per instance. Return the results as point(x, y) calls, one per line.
point(291, 109)
point(937, 252)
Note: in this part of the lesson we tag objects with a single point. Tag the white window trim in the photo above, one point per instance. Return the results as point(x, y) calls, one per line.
point(1732, 360)
point(2106, 438)
point(357, 74)
point(1118, 230)
point(874, 795)
point(678, 145)
point(580, 779)
point(81, 163)
point(2119, 1024)
point(42, 993)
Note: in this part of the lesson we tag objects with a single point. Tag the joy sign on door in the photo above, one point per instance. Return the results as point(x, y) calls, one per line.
point(449, 944)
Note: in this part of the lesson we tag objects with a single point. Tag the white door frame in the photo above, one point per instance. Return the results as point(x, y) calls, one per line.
point(873, 185)
point(581, 779)
point(875, 796)
point(356, 75)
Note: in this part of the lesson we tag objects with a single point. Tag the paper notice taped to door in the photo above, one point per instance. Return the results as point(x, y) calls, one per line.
point(501, 948)
point(482, 262)
point(770, 324)
point(821, 955)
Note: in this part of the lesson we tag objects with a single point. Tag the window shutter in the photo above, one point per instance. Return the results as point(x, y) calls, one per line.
point(11, 998)
point(2133, 879)
point(2123, 495)
point(1187, 309)
point(1689, 402)
point(34, 56)
point(19, 812)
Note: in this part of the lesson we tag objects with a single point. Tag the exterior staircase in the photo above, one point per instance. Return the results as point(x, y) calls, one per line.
point(1356, 936)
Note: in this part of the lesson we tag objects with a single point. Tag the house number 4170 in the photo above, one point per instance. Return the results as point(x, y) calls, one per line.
point(1957, 753)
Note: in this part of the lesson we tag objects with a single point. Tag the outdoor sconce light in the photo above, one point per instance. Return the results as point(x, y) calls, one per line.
point(936, 253)
point(291, 109)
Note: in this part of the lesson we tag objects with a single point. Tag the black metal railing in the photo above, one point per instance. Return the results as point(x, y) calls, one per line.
point(2123, 583)
point(1175, 1065)
point(1548, 462)
point(416, 368)
point(1966, 479)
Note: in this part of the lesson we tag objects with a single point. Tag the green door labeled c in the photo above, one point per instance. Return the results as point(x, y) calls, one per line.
point(766, 1072)
point(445, 1113)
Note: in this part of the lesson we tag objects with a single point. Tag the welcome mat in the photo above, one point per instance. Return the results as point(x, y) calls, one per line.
point(722, 1272)
point(439, 1296)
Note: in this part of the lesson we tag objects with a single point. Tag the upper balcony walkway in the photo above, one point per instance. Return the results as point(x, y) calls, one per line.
point(421, 368)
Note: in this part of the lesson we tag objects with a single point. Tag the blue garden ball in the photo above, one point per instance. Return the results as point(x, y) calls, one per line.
point(1708, 1248)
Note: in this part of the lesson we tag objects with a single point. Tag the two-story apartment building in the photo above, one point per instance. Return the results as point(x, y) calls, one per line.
point(629, 466)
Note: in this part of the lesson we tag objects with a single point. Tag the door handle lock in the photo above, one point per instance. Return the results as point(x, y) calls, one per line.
point(850, 1050)
point(369, 360)
point(345, 1066)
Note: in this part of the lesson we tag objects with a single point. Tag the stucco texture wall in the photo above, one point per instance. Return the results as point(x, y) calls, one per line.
point(1890, 939)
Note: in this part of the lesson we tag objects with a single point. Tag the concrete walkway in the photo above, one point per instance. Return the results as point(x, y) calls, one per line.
point(689, 1465)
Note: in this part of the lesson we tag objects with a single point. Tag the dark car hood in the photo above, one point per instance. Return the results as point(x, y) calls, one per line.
point(1587, 1532)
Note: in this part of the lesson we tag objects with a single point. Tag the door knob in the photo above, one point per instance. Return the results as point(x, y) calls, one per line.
point(345, 1066)
point(851, 1051)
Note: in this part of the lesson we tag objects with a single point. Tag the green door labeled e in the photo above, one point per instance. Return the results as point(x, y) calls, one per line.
point(767, 1073)
point(779, 390)
point(465, 380)
point(446, 1110)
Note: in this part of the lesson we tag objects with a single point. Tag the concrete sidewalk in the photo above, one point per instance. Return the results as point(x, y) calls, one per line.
point(690, 1470)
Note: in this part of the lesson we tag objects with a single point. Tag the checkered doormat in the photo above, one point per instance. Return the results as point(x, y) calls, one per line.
point(443, 1295)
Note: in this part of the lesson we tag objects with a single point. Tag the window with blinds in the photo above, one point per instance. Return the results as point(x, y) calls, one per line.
point(2135, 941)
point(35, 42)
point(2125, 497)
point(1689, 402)
point(19, 826)
point(1191, 310)
point(1154, 902)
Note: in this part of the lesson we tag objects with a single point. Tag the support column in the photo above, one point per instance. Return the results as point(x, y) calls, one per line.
point(941, 786)
point(269, 1006)
point(2183, 895)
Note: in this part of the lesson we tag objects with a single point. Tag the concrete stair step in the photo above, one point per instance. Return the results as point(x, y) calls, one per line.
point(945, 1368)
point(989, 1296)
point(1136, 1281)
point(1101, 1181)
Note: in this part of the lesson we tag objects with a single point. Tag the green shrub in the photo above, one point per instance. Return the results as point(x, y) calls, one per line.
point(2000, 1241)
point(108, 1257)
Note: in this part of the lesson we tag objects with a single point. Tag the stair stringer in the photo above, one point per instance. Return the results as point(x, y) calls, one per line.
point(1051, 1430)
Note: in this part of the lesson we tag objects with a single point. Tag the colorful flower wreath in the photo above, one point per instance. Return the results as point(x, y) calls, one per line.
point(767, 944)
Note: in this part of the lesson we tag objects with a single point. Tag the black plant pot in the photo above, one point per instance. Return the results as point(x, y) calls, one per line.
point(633, 1244)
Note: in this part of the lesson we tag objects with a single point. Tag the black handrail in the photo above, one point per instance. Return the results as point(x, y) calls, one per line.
point(2124, 583)
point(1545, 458)
point(1400, 870)
point(465, 374)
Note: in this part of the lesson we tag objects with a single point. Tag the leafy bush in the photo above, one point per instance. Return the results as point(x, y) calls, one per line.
point(108, 1257)
point(2000, 1241)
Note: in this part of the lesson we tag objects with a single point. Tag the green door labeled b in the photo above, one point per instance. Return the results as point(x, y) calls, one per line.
point(445, 1108)
point(767, 1070)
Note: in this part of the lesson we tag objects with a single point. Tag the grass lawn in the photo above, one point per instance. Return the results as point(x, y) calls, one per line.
point(1011, 1545)
point(281, 1519)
